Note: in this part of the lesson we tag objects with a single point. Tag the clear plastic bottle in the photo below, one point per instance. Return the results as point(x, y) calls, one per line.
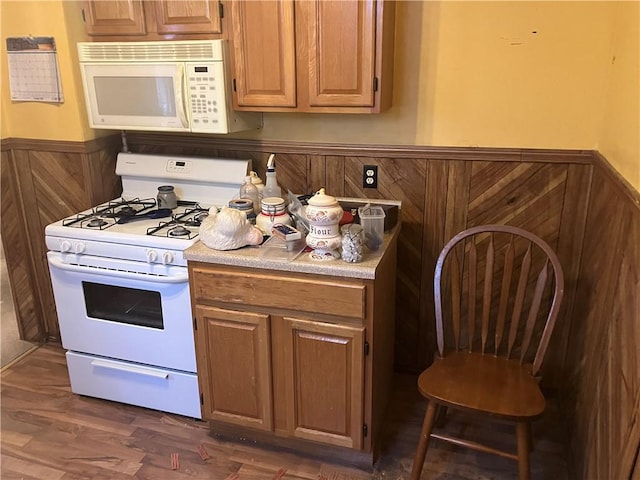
point(249, 191)
point(271, 188)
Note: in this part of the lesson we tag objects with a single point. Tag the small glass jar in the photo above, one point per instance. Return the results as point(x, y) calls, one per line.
point(167, 197)
point(352, 243)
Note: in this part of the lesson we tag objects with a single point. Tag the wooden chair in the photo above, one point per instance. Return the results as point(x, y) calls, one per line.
point(489, 353)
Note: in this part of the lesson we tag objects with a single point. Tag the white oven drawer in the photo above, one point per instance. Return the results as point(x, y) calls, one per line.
point(142, 385)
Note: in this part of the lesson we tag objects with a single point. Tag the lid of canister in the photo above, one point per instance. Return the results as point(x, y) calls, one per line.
point(272, 205)
point(241, 204)
point(321, 199)
point(255, 179)
point(273, 201)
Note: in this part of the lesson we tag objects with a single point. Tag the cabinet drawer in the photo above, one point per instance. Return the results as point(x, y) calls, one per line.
point(330, 297)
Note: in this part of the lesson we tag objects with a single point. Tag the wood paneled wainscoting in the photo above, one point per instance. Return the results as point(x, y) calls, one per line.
point(566, 197)
point(601, 372)
point(42, 182)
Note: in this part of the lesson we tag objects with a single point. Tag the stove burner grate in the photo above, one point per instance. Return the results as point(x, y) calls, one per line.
point(95, 218)
point(125, 208)
point(181, 225)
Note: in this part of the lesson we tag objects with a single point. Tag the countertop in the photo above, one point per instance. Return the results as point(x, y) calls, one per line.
point(264, 257)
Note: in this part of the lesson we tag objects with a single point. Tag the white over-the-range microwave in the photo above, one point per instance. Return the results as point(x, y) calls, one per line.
point(177, 86)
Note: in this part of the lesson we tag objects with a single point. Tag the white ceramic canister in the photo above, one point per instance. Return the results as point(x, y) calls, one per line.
point(272, 212)
point(257, 181)
point(324, 214)
point(323, 209)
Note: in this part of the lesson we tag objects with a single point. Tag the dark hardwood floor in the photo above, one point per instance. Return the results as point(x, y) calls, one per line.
point(49, 433)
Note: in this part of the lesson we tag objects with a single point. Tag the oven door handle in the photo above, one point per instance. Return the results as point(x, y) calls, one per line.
point(179, 278)
point(136, 369)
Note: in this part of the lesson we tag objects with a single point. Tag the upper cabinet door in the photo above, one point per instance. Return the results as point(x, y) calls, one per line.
point(340, 40)
point(109, 17)
point(264, 53)
point(191, 16)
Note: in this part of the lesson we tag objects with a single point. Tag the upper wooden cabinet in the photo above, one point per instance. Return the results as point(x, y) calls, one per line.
point(313, 56)
point(182, 17)
point(152, 19)
point(119, 17)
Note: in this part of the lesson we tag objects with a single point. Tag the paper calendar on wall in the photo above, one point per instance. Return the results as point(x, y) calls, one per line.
point(33, 70)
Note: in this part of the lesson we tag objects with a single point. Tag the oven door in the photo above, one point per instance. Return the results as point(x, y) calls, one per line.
point(124, 309)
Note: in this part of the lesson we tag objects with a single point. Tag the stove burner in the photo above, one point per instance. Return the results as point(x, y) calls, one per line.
point(179, 231)
point(196, 220)
point(97, 223)
point(126, 211)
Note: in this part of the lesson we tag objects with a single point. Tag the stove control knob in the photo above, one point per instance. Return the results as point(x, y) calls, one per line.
point(167, 258)
point(80, 247)
point(65, 246)
point(152, 256)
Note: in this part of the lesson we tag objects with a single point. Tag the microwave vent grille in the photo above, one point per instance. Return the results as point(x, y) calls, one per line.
point(197, 50)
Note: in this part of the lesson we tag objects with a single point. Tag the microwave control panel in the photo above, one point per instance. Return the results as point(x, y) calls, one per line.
point(206, 97)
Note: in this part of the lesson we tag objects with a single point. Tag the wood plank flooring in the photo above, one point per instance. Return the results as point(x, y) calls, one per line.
point(49, 433)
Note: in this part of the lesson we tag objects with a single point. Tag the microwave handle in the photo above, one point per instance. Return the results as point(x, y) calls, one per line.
point(181, 99)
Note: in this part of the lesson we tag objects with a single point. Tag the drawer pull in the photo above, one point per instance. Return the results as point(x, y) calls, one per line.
point(130, 369)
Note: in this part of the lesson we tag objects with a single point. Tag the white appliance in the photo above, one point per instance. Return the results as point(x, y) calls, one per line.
point(179, 86)
point(122, 289)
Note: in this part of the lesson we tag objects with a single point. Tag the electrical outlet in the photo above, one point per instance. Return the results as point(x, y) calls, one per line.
point(370, 176)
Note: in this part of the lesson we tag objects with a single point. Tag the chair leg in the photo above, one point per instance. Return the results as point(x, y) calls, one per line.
point(441, 416)
point(423, 444)
point(523, 431)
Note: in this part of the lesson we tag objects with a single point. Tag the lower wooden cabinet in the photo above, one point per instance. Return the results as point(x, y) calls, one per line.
point(321, 370)
point(291, 368)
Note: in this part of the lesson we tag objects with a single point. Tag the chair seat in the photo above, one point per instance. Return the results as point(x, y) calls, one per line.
point(494, 385)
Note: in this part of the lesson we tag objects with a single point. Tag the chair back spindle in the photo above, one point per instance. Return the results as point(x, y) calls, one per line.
point(504, 294)
point(486, 299)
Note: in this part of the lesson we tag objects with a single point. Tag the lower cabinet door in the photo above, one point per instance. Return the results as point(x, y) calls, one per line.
point(234, 366)
point(324, 381)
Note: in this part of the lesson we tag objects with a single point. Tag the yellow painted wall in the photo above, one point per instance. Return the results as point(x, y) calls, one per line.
point(47, 121)
point(474, 73)
point(493, 74)
point(620, 136)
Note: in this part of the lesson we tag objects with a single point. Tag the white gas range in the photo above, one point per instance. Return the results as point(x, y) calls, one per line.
point(121, 287)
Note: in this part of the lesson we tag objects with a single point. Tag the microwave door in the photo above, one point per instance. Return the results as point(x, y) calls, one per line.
point(135, 97)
